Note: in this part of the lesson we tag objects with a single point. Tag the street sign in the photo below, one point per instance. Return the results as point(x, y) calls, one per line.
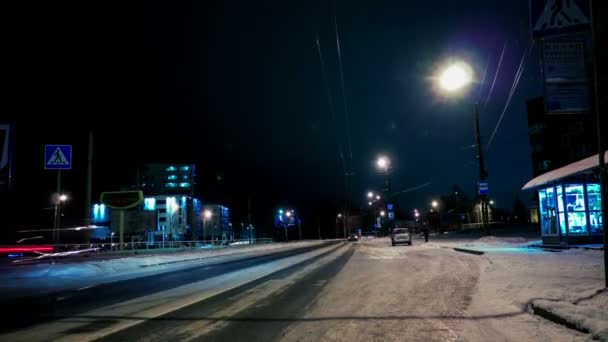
point(565, 75)
point(390, 206)
point(6, 150)
point(391, 215)
point(483, 187)
point(57, 157)
point(122, 199)
point(555, 17)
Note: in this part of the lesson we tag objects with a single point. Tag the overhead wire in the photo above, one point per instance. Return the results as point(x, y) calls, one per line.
point(520, 71)
point(330, 101)
point(502, 53)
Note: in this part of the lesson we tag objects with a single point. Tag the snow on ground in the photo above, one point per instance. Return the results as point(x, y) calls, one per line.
point(44, 278)
point(590, 314)
point(513, 274)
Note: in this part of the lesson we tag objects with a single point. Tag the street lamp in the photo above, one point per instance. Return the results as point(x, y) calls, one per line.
point(491, 202)
point(369, 203)
point(377, 197)
point(454, 77)
point(206, 215)
point(63, 197)
point(434, 204)
point(382, 213)
point(370, 194)
point(383, 163)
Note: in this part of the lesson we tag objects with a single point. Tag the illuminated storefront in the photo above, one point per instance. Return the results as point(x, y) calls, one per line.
point(570, 204)
point(570, 213)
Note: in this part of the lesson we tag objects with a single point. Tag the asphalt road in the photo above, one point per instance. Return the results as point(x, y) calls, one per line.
point(35, 309)
point(363, 291)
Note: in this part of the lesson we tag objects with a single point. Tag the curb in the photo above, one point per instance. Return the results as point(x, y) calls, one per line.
point(470, 251)
point(555, 318)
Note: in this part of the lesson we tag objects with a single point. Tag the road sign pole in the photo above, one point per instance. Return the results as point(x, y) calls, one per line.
point(121, 227)
point(57, 213)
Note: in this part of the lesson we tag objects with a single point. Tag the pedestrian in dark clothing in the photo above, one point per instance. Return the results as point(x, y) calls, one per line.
point(425, 230)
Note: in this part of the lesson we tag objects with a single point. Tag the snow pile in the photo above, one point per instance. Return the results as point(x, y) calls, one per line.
point(589, 316)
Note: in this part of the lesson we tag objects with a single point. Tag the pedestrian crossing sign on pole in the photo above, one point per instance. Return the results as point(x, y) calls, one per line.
point(57, 157)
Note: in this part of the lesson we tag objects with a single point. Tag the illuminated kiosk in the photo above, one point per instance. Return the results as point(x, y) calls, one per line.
point(570, 203)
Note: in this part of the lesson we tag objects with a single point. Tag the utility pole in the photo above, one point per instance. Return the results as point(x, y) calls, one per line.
point(596, 18)
point(483, 174)
point(87, 203)
point(249, 216)
point(57, 212)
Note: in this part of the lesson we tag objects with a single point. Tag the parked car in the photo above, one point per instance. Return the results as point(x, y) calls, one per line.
point(353, 237)
point(401, 235)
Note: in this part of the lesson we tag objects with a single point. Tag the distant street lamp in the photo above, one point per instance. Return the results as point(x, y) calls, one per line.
point(383, 162)
point(377, 197)
point(63, 197)
point(369, 203)
point(370, 194)
point(434, 204)
point(206, 215)
point(491, 202)
point(382, 213)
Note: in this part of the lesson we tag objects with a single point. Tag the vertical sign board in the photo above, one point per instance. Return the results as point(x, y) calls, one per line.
point(483, 187)
point(6, 155)
point(57, 157)
point(563, 27)
point(565, 75)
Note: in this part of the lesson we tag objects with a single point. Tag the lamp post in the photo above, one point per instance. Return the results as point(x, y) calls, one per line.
point(58, 200)
point(383, 164)
point(206, 215)
point(452, 79)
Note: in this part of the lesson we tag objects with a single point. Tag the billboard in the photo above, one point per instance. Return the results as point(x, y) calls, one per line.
point(565, 75)
point(6, 156)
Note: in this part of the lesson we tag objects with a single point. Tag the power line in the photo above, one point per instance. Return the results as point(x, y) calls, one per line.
point(520, 71)
point(346, 115)
point(495, 77)
point(330, 102)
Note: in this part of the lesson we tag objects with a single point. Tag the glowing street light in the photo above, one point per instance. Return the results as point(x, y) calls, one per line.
point(339, 215)
point(63, 197)
point(370, 194)
point(383, 162)
point(288, 214)
point(416, 214)
point(369, 203)
point(377, 197)
point(382, 213)
point(207, 214)
point(434, 204)
point(491, 202)
point(456, 76)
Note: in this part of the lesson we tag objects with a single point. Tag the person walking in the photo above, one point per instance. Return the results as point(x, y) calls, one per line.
point(425, 231)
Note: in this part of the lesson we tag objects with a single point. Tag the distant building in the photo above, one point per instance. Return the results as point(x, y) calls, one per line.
point(558, 139)
point(167, 179)
point(217, 227)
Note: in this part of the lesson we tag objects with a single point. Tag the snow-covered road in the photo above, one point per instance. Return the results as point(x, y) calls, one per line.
point(365, 291)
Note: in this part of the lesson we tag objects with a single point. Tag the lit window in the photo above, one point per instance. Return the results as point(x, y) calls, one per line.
point(171, 185)
point(184, 168)
point(171, 168)
point(171, 177)
point(150, 203)
point(184, 185)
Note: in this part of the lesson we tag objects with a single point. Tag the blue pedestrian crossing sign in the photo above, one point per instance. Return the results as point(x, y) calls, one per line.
point(57, 157)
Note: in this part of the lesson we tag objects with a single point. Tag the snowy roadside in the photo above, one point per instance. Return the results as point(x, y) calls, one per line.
point(589, 315)
point(26, 280)
point(514, 275)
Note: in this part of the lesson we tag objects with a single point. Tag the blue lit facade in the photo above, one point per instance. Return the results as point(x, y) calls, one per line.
point(570, 213)
point(100, 214)
point(168, 179)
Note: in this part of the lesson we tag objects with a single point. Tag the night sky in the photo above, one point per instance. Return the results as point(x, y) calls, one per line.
point(236, 87)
